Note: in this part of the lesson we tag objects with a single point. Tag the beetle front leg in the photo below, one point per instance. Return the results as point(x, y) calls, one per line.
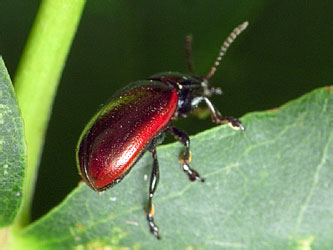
point(154, 178)
point(186, 157)
point(216, 115)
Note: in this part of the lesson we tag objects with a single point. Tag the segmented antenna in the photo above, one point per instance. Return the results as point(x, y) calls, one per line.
point(225, 47)
point(188, 53)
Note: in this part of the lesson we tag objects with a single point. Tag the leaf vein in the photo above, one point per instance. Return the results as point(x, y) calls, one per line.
point(314, 184)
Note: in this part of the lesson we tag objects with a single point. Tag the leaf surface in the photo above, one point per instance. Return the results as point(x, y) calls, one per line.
point(267, 188)
point(12, 150)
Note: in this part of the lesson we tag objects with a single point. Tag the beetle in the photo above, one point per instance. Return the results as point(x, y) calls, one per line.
point(136, 120)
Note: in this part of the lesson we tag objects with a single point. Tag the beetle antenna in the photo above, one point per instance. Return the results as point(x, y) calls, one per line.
point(225, 47)
point(188, 53)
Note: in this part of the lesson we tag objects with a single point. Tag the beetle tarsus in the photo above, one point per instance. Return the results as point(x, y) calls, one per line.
point(193, 175)
point(153, 228)
point(234, 123)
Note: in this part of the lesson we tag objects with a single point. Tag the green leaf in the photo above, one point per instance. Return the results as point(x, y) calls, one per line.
point(267, 188)
point(12, 150)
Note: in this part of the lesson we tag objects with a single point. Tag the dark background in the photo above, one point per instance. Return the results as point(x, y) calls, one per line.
point(285, 52)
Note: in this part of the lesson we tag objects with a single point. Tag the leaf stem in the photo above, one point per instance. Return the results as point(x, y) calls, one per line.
point(37, 79)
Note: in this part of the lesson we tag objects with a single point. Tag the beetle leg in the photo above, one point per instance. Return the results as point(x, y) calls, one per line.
point(186, 157)
point(154, 178)
point(216, 115)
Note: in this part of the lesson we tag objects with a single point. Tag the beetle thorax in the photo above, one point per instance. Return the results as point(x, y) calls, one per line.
point(187, 87)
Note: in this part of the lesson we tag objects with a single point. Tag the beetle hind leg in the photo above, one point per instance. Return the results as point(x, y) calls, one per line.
point(155, 176)
point(185, 158)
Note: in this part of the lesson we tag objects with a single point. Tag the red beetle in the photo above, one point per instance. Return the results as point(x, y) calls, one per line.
point(136, 119)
